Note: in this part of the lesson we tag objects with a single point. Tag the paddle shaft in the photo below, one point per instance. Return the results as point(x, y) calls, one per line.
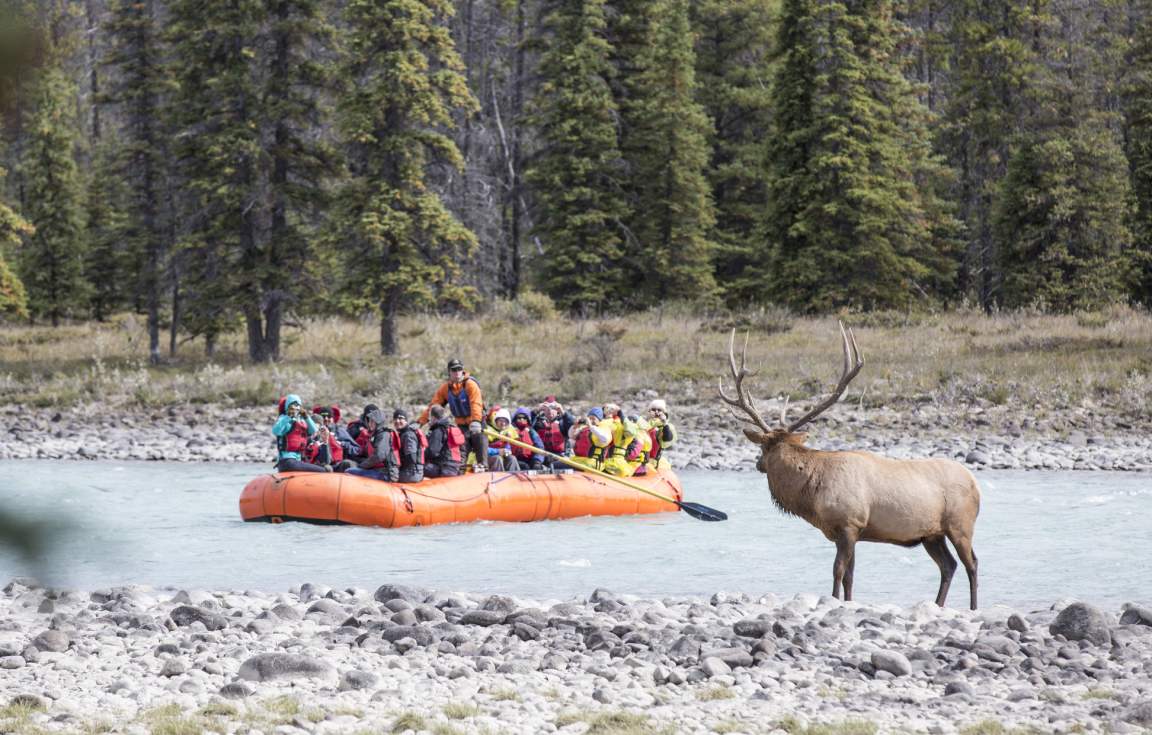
point(583, 468)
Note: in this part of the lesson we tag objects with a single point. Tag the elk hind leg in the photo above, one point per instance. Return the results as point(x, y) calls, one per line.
point(938, 550)
point(845, 563)
point(963, 544)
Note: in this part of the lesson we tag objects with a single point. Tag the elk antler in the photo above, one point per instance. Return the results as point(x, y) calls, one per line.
point(743, 399)
point(852, 364)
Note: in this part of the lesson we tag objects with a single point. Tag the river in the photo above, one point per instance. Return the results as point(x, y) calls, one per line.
point(1041, 537)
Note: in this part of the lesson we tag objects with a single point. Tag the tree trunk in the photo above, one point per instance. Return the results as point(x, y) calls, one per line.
point(389, 309)
point(174, 328)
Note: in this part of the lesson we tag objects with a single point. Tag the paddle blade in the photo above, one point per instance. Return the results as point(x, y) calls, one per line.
point(703, 512)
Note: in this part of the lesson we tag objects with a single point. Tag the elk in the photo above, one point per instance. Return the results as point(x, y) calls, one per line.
point(855, 496)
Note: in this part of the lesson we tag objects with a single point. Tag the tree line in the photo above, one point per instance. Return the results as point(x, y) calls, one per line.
point(222, 166)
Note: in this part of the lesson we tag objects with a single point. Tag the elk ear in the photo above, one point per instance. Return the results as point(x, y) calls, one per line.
point(755, 437)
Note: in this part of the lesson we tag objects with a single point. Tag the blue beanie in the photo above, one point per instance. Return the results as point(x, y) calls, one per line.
point(597, 412)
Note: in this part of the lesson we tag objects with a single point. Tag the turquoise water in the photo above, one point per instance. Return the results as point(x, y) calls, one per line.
point(1041, 537)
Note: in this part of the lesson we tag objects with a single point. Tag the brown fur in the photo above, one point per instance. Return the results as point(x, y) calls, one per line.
point(859, 496)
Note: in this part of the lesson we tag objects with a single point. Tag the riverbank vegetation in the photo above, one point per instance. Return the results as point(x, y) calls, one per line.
point(1024, 358)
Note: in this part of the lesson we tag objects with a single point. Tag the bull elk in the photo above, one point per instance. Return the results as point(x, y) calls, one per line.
point(855, 496)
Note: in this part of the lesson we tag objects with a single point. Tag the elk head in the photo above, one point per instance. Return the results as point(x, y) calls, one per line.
point(768, 436)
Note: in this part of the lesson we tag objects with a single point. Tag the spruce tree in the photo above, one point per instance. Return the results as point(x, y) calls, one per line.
point(107, 264)
point(13, 297)
point(404, 247)
point(848, 225)
point(1138, 122)
point(734, 74)
point(577, 177)
point(214, 112)
point(136, 89)
point(672, 212)
point(1062, 211)
point(52, 259)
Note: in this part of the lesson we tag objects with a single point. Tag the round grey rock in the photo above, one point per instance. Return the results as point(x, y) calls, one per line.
point(188, 614)
point(356, 680)
point(483, 618)
point(1136, 615)
point(280, 666)
point(893, 662)
point(56, 641)
point(1082, 622)
point(236, 690)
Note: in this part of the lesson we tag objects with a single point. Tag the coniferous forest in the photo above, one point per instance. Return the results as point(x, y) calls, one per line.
point(224, 167)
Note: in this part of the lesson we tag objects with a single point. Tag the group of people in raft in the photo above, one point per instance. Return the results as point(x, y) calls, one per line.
point(455, 438)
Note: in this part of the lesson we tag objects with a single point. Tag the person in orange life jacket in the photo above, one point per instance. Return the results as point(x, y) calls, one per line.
point(413, 444)
point(522, 425)
point(384, 462)
point(500, 457)
point(447, 445)
point(662, 432)
point(553, 424)
point(590, 440)
point(325, 448)
point(361, 446)
point(461, 394)
point(293, 429)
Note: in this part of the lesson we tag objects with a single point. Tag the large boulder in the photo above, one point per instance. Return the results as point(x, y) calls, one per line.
point(55, 641)
point(895, 663)
point(280, 666)
point(1136, 615)
point(1082, 622)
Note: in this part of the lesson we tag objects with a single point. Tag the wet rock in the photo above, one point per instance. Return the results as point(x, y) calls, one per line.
point(483, 618)
point(1136, 615)
point(188, 614)
point(55, 641)
point(893, 662)
point(357, 680)
point(279, 666)
point(1082, 622)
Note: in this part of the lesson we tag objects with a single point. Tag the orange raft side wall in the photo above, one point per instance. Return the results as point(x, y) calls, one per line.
point(487, 496)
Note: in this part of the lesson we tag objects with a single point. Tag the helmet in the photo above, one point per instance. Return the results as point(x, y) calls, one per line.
point(658, 405)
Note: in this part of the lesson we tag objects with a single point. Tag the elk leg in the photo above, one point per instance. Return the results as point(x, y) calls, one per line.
point(845, 553)
point(963, 546)
point(938, 550)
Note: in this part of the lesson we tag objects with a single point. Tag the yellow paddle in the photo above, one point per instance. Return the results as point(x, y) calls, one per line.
point(700, 512)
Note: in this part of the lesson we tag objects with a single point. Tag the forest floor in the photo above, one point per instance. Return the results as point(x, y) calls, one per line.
point(1004, 390)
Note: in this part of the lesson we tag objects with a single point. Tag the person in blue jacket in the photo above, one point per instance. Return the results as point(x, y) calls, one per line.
point(293, 430)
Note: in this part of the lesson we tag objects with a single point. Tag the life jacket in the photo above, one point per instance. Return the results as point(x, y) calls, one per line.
point(450, 452)
point(498, 443)
point(551, 436)
point(296, 440)
point(583, 446)
point(634, 453)
point(657, 448)
point(525, 437)
point(335, 451)
point(363, 440)
point(458, 402)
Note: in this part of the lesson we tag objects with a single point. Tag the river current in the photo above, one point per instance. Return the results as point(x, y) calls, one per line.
point(1041, 537)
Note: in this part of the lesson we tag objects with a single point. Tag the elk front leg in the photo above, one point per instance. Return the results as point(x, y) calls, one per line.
point(844, 565)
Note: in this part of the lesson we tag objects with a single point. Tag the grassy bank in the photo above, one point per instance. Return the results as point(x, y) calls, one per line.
point(1098, 359)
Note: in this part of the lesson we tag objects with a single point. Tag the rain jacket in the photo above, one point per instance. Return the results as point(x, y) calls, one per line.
point(285, 424)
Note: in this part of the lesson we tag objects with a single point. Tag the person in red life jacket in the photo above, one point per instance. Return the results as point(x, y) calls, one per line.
point(384, 461)
point(461, 394)
point(293, 430)
point(522, 425)
point(553, 424)
point(413, 445)
point(324, 448)
point(662, 431)
point(446, 445)
point(361, 444)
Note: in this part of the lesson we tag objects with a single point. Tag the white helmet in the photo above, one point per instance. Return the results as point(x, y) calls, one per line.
point(658, 405)
point(502, 414)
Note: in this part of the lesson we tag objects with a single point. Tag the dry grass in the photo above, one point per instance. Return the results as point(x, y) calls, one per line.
point(951, 358)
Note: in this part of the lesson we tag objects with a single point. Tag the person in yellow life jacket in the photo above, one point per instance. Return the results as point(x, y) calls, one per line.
point(625, 456)
point(643, 445)
point(591, 440)
point(662, 433)
point(500, 457)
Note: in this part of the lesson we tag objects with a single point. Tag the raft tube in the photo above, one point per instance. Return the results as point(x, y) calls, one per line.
point(486, 496)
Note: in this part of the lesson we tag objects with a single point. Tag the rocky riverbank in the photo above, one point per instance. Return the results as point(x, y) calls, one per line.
point(984, 437)
point(317, 660)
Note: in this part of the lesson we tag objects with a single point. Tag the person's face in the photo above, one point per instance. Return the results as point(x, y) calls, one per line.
point(370, 424)
point(656, 413)
point(399, 422)
point(324, 419)
point(456, 375)
point(521, 422)
point(501, 423)
point(592, 419)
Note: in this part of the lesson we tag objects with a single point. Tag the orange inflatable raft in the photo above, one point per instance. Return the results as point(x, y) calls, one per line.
point(486, 496)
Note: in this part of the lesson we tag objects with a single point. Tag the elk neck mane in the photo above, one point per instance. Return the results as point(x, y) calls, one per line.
point(794, 474)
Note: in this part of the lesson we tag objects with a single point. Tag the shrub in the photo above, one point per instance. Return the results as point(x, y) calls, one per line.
point(769, 319)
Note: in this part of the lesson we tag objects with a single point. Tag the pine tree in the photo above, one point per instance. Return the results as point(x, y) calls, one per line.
point(52, 259)
point(734, 74)
point(577, 177)
point(672, 214)
point(847, 224)
point(107, 262)
point(989, 64)
point(1138, 120)
point(1062, 211)
point(293, 170)
point(13, 297)
point(136, 90)
point(215, 115)
point(405, 247)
